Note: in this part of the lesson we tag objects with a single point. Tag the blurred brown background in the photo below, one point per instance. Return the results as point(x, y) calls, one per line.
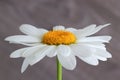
point(48, 13)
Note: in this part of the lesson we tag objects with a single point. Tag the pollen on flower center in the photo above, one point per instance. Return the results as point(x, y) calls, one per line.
point(57, 37)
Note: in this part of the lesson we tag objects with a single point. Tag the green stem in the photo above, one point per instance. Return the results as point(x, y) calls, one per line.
point(59, 70)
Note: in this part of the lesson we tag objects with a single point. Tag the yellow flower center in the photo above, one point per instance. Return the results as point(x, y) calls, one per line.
point(58, 37)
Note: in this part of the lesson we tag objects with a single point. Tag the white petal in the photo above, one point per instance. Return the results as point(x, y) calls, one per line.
point(68, 62)
point(101, 58)
point(93, 45)
point(85, 32)
point(53, 52)
point(25, 64)
point(81, 50)
point(96, 39)
point(32, 50)
point(92, 60)
point(40, 54)
point(31, 30)
point(97, 49)
point(77, 35)
point(22, 38)
point(90, 30)
point(71, 29)
point(98, 28)
point(58, 28)
point(18, 53)
point(103, 53)
point(63, 50)
point(28, 44)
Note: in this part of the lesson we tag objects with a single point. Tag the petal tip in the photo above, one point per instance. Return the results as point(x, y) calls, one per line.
point(110, 56)
point(96, 64)
point(14, 56)
point(105, 25)
point(22, 26)
point(6, 39)
point(22, 71)
point(108, 24)
point(9, 38)
point(70, 68)
point(11, 56)
point(109, 38)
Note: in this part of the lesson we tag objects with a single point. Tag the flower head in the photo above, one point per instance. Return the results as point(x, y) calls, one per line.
point(65, 43)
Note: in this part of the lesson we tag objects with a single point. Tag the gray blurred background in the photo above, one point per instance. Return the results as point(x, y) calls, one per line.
point(48, 13)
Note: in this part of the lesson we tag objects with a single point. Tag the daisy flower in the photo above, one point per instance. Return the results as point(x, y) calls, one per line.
point(65, 43)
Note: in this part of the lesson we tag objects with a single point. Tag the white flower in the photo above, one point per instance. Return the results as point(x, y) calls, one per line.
point(63, 43)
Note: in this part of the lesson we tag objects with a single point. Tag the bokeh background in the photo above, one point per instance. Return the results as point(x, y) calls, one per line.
point(48, 13)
